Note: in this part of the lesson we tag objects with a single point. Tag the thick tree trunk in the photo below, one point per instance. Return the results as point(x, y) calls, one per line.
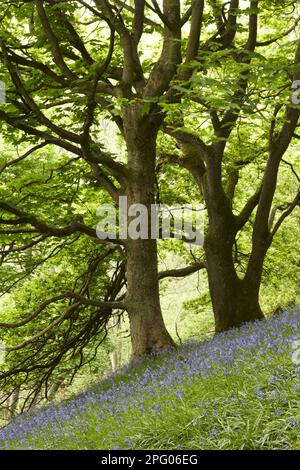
point(235, 301)
point(148, 331)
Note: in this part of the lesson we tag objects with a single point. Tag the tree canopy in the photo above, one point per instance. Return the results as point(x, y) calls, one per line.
point(171, 102)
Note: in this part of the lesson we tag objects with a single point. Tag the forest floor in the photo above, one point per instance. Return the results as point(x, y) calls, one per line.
point(239, 390)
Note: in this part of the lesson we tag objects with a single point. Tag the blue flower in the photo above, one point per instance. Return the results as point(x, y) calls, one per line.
point(156, 407)
point(128, 442)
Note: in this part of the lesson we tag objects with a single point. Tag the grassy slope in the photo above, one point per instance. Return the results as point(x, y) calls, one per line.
point(239, 390)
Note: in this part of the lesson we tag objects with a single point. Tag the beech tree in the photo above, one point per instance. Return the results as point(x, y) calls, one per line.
point(66, 66)
point(249, 100)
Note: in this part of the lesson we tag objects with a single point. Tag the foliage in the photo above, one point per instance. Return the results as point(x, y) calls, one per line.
point(64, 152)
point(236, 391)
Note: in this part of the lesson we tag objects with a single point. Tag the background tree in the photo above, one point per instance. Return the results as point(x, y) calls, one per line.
point(242, 83)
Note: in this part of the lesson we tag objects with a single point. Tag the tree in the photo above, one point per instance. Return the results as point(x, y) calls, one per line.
point(60, 87)
point(68, 66)
point(236, 108)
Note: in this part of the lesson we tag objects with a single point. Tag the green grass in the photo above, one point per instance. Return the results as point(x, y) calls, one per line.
point(239, 390)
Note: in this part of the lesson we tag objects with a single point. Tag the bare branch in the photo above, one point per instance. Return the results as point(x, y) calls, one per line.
point(22, 157)
point(34, 64)
point(284, 215)
point(164, 70)
point(33, 315)
point(249, 207)
point(292, 168)
point(281, 36)
point(118, 305)
point(46, 330)
point(132, 70)
point(138, 21)
point(75, 39)
point(30, 103)
point(195, 31)
point(57, 54)
point(147, 21)
point(183, 272)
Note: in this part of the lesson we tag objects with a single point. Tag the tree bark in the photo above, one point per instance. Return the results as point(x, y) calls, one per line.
point(235, 301)
point(148, 331)
point(13, 403)
point(116, 355)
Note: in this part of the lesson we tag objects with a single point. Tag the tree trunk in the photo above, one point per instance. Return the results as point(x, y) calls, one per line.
point(116, 355)
point(55, 387)
point(13, 403)
point(148, 331)
point(235, 301)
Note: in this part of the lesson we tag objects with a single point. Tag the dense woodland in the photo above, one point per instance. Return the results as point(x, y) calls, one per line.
point(169, 102)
